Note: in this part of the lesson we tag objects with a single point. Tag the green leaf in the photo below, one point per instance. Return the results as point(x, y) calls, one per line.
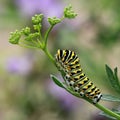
point(110, 98)
point(115, 75)
point(56, 81)
point(113, 78)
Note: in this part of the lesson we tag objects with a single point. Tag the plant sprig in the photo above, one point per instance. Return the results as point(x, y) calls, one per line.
point(36, 39)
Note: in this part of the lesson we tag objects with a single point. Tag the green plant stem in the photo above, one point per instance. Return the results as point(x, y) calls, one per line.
point(45, 45)
point(46, 36)
point(40, 35)
point(49, 55)
point(107, 111)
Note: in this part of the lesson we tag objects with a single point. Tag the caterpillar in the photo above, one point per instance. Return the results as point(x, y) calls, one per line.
point(68, 62)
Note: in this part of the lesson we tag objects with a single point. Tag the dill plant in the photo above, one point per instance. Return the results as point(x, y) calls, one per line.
point(36, 39)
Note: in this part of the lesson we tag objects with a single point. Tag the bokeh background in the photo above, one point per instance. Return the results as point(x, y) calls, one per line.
point(26, 90)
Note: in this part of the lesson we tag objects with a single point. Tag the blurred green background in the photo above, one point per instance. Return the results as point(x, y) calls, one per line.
point(26, 90)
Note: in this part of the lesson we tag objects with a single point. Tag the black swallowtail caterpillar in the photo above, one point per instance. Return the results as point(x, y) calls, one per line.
point(68, 62)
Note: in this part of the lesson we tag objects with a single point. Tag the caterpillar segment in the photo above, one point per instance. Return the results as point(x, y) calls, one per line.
point(79, 77)
point(68, 62)
point(64, 56)
point(71, 57)
point(94, 94)
point(85, 88)
point(74, 72)
point(72, 68)
point(75, 62)
point(80, 83)
point(74, 79)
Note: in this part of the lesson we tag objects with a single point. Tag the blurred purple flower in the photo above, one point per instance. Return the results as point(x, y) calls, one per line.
point(19, 65)
point(66, 100)
point(48, 7)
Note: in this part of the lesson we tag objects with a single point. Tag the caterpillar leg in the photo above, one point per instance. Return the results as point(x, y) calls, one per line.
point(69, 80)
point(97, 98)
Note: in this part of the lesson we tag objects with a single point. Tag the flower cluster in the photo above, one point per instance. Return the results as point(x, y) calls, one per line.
point(54, 20)
point(69, 13)
point(14, 37)
point(35, 39)
point(37, 19)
